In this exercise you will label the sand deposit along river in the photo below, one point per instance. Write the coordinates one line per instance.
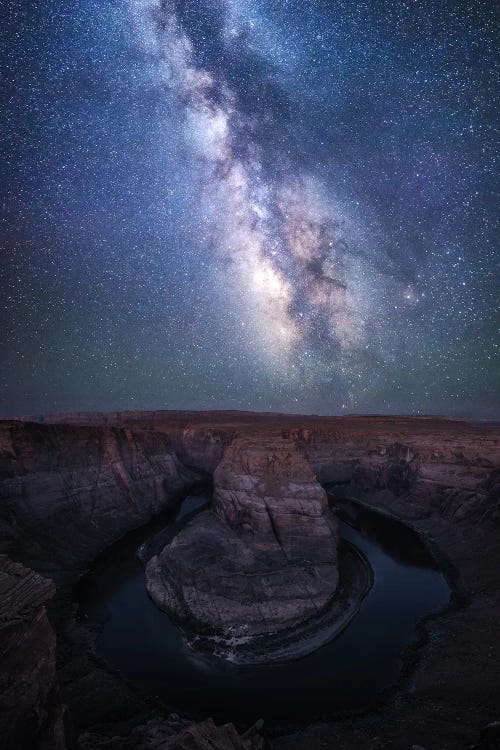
(346, 674)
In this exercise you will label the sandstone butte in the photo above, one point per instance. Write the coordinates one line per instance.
(71, 485)
(262, 561)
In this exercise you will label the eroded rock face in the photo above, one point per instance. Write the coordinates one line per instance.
(178, 735)
(75, 483)
(438, 466)
(31, 712)
(263, 560)
(66, 492)
(264, 489)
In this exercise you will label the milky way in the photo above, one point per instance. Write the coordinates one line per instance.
(247, 204)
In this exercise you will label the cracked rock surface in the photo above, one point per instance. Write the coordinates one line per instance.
(263, 559)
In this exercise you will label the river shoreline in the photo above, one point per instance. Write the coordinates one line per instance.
(328, 638)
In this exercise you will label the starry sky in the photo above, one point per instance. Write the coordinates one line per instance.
(286, 206)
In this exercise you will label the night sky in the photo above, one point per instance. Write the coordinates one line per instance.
(249, 204)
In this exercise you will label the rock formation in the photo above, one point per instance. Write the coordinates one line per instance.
(31, 712)
(67, 492)
(178, 735)
(262, 561)
(72, 484)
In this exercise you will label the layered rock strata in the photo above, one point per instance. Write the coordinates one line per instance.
(72, 485)
(262, 561)
(31, 712)
(67, 492)
(64, 496)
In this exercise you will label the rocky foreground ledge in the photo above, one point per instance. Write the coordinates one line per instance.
(29, 692)
(72, 484)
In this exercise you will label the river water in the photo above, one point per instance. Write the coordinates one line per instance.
(346, 674)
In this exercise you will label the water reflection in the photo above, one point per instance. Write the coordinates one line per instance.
(397, 540)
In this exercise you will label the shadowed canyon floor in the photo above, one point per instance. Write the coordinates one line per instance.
(73, 484)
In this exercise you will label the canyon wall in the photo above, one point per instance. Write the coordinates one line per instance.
(66, 491)
(31, 711)
(71, 485)
(69, 489)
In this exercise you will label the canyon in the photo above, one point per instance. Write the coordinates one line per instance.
(71, 485)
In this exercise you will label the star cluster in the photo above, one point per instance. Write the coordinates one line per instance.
(248, 204)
